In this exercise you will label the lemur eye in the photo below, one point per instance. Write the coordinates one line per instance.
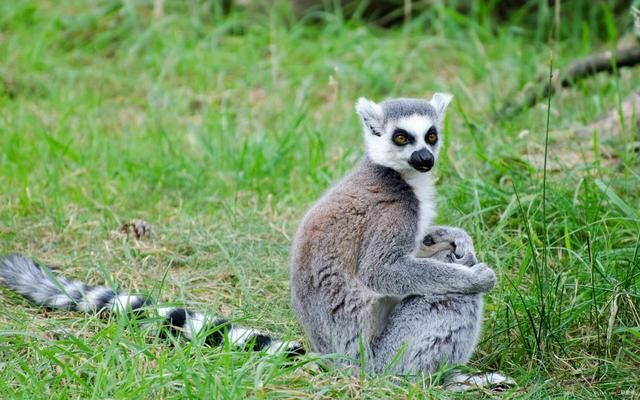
(400, 140)
(432, 135)
(400, 137)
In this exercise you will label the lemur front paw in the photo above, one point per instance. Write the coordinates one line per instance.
(484, 278)
(448, 244)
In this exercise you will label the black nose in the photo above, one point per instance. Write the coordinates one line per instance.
(421, 160)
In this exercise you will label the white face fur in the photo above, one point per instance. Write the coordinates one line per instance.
(404, 134)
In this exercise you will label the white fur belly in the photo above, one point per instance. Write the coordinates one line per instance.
(422, 185)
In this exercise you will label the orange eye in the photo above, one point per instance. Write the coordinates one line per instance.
(432, 136)
(400, 140)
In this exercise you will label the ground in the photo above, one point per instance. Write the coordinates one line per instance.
(221, 131)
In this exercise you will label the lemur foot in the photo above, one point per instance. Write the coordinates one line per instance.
(448, 244)
(494, 381)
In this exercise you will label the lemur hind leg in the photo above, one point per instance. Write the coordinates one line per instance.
(422, 333)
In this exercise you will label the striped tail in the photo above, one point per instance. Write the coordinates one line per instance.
(43, 287)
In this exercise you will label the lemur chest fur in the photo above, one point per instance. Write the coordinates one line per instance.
(423, 189)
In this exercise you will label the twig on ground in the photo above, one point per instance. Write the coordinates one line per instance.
(603, 62)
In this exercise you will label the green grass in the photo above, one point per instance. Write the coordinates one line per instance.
(222, 130)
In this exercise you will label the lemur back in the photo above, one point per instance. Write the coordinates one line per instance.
(358, 280)
(328, 280)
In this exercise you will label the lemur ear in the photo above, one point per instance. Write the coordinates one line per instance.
(440, 101)
(371, 115)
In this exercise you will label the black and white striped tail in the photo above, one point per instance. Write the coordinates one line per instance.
(43, 287)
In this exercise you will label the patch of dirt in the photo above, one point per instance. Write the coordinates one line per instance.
(575, 146)
(609, 125)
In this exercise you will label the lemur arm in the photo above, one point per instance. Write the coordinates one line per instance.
(408, 275)
(387, 265)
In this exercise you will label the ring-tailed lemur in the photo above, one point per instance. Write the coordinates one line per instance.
(370, 277)
(40, 285)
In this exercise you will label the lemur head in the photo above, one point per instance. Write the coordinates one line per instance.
(404, 134)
